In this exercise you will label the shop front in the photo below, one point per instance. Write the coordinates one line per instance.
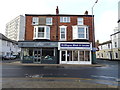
(39, 52)
(75, 52)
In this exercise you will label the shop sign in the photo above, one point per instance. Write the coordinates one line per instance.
(74, 45)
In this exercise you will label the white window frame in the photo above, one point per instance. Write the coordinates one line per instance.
(35, 21)
(49, 21)
(76, 34)
(80, 21)
(65, 27)
(46, 32)
(65, 19)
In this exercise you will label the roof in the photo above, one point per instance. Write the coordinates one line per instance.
(58, 15)
(115, 33)
(2, 37)
(107, 42)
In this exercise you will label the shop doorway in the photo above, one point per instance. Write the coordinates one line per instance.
(37, 56)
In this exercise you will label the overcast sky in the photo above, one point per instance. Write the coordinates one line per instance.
(105, 11)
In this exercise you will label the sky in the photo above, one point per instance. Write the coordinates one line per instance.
(105, 11)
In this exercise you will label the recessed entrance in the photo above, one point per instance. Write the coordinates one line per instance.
(37, 56)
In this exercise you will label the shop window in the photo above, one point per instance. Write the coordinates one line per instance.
(75, 55)
(48, 54)
(28, 54)
(63, 55)
(69, 55)
(87, 55)
(81, 55)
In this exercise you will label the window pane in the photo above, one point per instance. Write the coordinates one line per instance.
(87, 55)
(48, 32)
(69, 55)
(80, 35)
(48, 54)
(80, 30)
(35, 20)
(40, 34)
(75, 55)
(81, 55)
(62, 30)
(80, 21)
(49, 21)
(40, 29)
(62, 36)
(63, 54)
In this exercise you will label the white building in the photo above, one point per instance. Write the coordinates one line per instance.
(8, 47)
(119, 15)
(115, 37)
(104, 51)
(15, 29)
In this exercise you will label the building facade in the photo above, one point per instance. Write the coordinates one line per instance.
(115, 37)
(15, 29)
(119, 15)
(105, 51)
(57, 39)
(8, 47)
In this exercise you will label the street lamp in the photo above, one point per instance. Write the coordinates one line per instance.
(93, 42)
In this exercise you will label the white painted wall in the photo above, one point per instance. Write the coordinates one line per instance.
(6, 47)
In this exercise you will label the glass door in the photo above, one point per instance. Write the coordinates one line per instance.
(37, 56)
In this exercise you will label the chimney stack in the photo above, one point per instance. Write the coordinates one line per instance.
(57, 11)
(86, 12)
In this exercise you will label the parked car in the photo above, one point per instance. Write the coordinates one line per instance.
(9, 57)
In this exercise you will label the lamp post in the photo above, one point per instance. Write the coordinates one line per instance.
(93, 42)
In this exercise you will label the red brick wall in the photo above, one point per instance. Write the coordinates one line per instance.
(29, 29)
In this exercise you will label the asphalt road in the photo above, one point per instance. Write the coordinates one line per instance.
(109, 72)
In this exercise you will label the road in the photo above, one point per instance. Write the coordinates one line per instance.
(108, 74)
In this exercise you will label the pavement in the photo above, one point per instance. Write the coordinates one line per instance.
(59, 65)
(49, 83)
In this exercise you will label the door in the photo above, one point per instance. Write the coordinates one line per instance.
(37, 56)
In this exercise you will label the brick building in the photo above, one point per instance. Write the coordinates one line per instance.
(57, 39)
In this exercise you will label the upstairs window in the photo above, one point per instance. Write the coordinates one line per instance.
(41, 32)
(80, 32)
(80, 21)
(35, 20)
(49, 21)
(65, 19)
(115, 44)
(62, 32)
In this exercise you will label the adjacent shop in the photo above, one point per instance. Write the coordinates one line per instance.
(39, 52)
(75, 52)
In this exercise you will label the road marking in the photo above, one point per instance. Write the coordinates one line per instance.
(103, 76)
